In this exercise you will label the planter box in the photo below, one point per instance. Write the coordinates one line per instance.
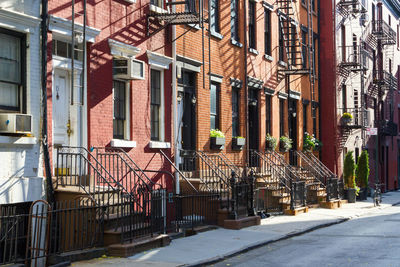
(351, 195)
(346, 121)
(238, 143)
(282, 148)
(362, 195)
(268, 146)
(217, 142)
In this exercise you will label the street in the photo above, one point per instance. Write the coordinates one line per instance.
(373, 240)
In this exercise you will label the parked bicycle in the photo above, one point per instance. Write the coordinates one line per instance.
(377, 195)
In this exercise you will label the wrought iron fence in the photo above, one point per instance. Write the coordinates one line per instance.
(298, 195)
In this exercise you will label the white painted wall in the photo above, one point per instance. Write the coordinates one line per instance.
(21, 170)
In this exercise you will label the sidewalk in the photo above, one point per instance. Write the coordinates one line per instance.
(217, 244)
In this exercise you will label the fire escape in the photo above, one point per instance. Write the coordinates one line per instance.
(352, 60)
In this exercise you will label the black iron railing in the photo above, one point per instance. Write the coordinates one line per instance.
(353, 57)
(356, 120)
(306, 163)
(384, 79)
(242, 203)
(298, 196)
(383, 31)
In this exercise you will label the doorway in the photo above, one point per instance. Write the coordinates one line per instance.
(253, 119)
(292, 123)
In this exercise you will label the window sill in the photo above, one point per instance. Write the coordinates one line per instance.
(268, 57)
(216, 35)
(15, 140)
(123, 143)
(194, 26)
(253, 51)
(157, 9)
(159, 144)
(130, 1)
(236, 43)
(282, 63)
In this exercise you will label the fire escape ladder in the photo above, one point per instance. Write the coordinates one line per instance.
(347, 8)
(293, 43)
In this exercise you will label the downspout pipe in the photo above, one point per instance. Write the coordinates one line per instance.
(174, 104)
(246, 91)
(45, 145)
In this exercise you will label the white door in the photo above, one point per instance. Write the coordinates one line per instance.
(61, 108)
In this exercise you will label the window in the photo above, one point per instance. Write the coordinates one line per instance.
(313, 5)
(293, 44)
(268, 114)
(155, 106)
(158, 3)
(267, 31)
(314, 51)
(304, 47)
(12, 71)
(214, 106)
(64, 49)
(235, 112)
(281, 117)
(235, 20)
(314, 118)
(344, 97)
(252, 25)
(214, 16)
(305, 116)
(281, 45)
(119, 122)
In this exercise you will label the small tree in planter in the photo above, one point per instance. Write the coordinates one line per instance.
(346, 118)
(309, 142)
(362, 174)
(217, 139)
(348, 175)
(285, 143)
(238, 142)
(270, 142)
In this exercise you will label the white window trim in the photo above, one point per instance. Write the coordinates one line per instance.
(119, 49)
(162, 111)
(61, 26)
(18, 22)
(127, 124)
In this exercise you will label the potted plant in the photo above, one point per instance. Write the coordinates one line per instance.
(348, 176)
(270, 142)
(217, 139)
(238, 142)
(346, 118)
(362, 174)
(318, 145)
(285, 143)
(309, 142)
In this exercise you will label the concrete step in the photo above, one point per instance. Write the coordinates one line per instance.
(138, 245)
(114, 235)
(296, 211)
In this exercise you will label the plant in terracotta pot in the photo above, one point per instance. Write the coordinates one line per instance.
(285, 143)
(308, 142)
(346, 118)
(238, 142)
(362, 174)
(217, 139)
(349, 177)
(270, 142)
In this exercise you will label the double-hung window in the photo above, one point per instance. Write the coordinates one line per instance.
(281, 117)
(214, 16)
(214, 106)
(235, 112)
(305, 118)
(304, 47)
(235, 20)
(267, 31)
(252, 25)
(119, 121)
(12, 53)
(268, 114)
(155, 106)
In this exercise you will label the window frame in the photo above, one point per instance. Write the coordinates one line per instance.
(267, 32)
(22, 85)
(252, 28)
(268, 114)
(217, 114)
(215, 26)
(235, 20)
(305, 118)
(161, 128)
(126, 130)
(235, 112)
(282, 117)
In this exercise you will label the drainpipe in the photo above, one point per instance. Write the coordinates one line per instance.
(246, 94)
(45, 146)
(174, 105)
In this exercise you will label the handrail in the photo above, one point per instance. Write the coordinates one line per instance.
(231, 167)
(323, 166)
(313, 169)
(204, 157)
(231, 164)
(177, 170)
(282, 161)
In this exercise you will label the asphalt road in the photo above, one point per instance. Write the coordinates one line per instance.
(372, 240)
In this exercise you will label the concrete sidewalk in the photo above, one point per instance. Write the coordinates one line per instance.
(220, 243)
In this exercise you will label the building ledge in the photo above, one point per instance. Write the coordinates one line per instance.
(17, 140)
(123, 143)
(158, 144)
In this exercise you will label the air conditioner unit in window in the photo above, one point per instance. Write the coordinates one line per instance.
(15, 123)
(128, 69)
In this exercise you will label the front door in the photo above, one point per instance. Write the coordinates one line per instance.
(60, 102)
(187, 119)
(293, 130)
(253, 119)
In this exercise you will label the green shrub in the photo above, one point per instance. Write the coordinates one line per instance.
(216, 133)
(362, 170)
(348, 170)
(238, 137)
(309, 142)
(285, 143)
(270, 142)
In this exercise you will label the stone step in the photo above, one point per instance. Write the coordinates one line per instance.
(138, 245)
(296, 211)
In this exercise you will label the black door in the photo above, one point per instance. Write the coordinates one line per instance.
(292, 123)
(253, 119)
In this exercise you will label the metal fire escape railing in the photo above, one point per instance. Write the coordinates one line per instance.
(350, 7)
(297, 49)
(353, 58)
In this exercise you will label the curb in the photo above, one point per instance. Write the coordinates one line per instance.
(263, 243)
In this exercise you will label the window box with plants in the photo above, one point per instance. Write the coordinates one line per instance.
(362, 174)
(238, 142)
(311, 143)
(270, 143)
(217, 139)
(349, 178)
(346, 118)
(285, 144)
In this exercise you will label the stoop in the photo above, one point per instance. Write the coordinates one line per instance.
(333, 204)
(130, 248)
(242, 222)
(296, 211)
